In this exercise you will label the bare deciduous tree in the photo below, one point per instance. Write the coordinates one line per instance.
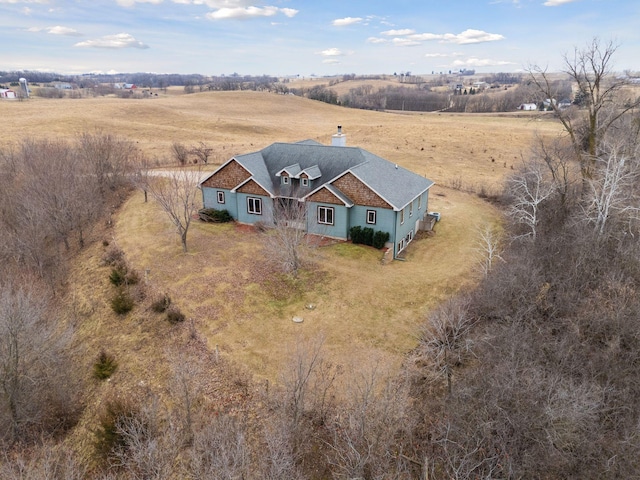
(108, 157)
(445, 337)
(180, 153)
(202, 151)
(599, 97)
(528, 189)
(488, 247)
(613, 188)
(286, 243)
(176, 192)
(221, 450)
(32, 371)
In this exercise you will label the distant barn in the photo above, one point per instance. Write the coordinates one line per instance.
(528, 106)
(7, 93)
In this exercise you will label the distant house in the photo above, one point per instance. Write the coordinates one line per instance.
(7, 93)
(565, 103)
(125, 86)
(340, 187)
(527, 106)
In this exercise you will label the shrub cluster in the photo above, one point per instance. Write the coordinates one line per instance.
(122, 302)
(214, 216)
(368, 236)
(174, 315)
(104, 366)
(161, 304)
(121, 275)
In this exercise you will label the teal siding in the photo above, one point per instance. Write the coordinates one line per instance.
(210, 200)
(340, 227)
(408, 228)
(385, 218)
(245, 217)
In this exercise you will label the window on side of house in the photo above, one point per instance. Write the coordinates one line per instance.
(220, 197)
(419, 202)
(411, 209)
(325, 215)
(304, 182)
(254, 205)
(371, 217)
(401, 216)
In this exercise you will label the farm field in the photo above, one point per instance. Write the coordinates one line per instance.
(224, 283)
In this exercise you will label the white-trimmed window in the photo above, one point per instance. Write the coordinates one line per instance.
(220, 196)
(419, 202)
(325, 215)
(254, 205)
(401, 216)
(411, 209)
(304, 182)
(285, 180)
(371, 217)
(401, 245)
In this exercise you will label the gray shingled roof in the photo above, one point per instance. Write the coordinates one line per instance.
(397, 185)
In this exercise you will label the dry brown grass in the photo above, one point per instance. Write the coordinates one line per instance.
(445, 147)
(226, 284)
(223, 283)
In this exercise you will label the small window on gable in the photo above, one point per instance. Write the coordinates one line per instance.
(285, 180)
(304, 182)
(220, 197)
(401, 216)
(371, 217)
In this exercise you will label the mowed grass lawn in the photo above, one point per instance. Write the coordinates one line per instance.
(227, 284)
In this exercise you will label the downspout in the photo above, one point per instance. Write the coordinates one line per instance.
(395, 228)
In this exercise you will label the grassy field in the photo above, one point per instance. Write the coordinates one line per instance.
(226, 284)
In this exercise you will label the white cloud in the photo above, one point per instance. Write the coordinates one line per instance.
(467, 37)
(555, 3)
(331, 52)
(249, 12)
(120, 40)
(395, 33)
(341, 22)
(435, 55)
(329, 61)
(24, 1)
(131, 3)
(405, 42)
(58, 30)
(376, 40)
(289, 12)
(480, 62)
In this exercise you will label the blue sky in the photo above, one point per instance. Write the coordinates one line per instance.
(305, 37)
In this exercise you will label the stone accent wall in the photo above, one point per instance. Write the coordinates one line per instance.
(252, 188)
(229, 177)
(324, 196)
(358, 192)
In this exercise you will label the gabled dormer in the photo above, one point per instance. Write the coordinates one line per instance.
(288, 173)
(308, 175)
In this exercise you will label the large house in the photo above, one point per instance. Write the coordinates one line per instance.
(339, 186)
